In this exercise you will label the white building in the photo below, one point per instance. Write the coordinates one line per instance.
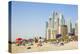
(53, 26)
(69, 24)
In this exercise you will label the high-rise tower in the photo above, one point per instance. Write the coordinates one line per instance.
(76, 28)
(69, 24)
(56, 20)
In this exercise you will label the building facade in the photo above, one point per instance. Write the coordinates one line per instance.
(69, 24)
(64, 30)
(53, 26)
(76, 29)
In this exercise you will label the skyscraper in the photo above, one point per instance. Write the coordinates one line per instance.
(69, 24)
(46, 30)
(76, 28)
(56, 20)
(62, 20)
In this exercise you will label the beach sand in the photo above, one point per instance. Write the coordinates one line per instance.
(45, 47)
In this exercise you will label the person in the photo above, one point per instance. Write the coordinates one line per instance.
(40, 41)
(36, 40)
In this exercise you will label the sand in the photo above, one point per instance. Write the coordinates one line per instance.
(45, 47)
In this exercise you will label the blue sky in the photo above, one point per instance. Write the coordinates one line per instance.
(28, 19)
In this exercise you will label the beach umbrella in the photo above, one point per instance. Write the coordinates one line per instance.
(18, 38)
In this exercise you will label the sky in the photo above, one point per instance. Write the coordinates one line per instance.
(28, 19)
